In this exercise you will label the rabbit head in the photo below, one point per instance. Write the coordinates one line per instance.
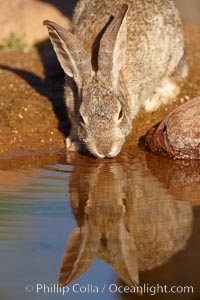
(101, 114)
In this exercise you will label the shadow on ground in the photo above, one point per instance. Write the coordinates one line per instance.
(50, 87)
(52, 84)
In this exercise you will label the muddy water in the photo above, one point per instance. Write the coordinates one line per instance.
(130, 219)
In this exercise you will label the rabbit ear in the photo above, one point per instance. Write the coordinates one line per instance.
(112, 48)
(70, 53)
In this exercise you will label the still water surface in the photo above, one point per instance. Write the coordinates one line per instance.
(123, 220)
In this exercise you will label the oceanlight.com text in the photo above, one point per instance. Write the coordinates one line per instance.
(42, 288)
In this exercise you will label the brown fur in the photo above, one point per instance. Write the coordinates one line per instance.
(123, 57)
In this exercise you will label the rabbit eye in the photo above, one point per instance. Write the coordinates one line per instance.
(120, 114)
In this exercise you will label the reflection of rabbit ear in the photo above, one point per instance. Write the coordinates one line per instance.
(123, 258)
(79, 254)
(121, 254)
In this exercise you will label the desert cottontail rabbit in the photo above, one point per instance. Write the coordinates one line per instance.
(120, 57)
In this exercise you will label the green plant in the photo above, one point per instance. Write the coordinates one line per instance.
(14, 43)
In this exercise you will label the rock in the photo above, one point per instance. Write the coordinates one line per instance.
(178, 135)
(23, 19)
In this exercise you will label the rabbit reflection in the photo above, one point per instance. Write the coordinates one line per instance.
(125, 217)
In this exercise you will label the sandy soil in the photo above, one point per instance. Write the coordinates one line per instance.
(32, 112)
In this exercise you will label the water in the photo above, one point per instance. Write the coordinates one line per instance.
(120, 218)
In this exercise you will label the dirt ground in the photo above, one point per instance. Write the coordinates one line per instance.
(32, 112)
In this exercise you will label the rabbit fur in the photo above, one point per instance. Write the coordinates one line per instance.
(119, 58)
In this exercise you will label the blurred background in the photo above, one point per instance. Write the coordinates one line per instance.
(190, 10)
